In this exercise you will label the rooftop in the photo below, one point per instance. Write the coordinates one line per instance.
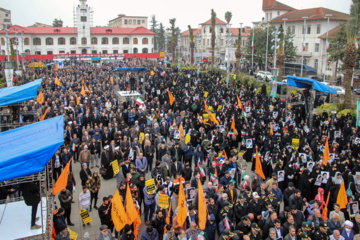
(275, 5)
(217, 21)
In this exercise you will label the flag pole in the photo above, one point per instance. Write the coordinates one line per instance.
(327, 44)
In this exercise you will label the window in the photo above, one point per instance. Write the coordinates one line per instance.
(6, 15)
(94, 41)
(36, 41)
(49, 52)
(6, 20)
(61, 41)
(152, 41)
(49, 41)
(2, 41)
(115, 40)
(126, 21)
(270, 16)
(130, 22)
(12, 40)
(115, 51)
(72, 41)
(144, 50)
(143, 21)
(316, 63)
(72, 51)
(83, 19)
(37, 52)
(61, 52)
(126, 41)
(267, 16)
(26, 41)
(278, 12)
(306, 47)
(145, 41)
(317, 47)
(94, 51)
(221, 30)
(126, 51)
(204, 30)
(83, 40)
(135, 50)
(308, 30)
(84, 51)
(27, 52)
(104, 51)
(104, 41)
(293, 30)
(210, 29)
(208, 42)
(318, 29)
(138, 22)
(135, 41)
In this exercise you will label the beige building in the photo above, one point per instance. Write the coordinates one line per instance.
(5, 18)
(123, 21)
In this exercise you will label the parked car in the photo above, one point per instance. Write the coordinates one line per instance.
(339, 90)
(357, 90)
(262, 75)
(222, 66)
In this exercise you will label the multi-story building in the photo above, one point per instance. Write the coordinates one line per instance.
(5, 17)
(205, 30)
(123, 21)
(82, 39)
(312, 48)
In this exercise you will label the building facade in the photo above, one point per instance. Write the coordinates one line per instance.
(123, 21)
(82, 39)
(313, 48)
(5, 18)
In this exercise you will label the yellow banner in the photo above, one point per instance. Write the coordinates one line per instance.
(162, 54)
(205, 117)
(163, 200)
(73, 235)
(115, 166)
(187, 138)
(219, 107)
(142, 137)
(295, 143)
(85, 216)
(150, 186)
(206, 94)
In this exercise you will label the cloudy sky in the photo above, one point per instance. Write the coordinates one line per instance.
(193, 12)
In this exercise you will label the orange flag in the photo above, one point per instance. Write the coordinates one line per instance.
(271, 129)
(201, 207)
(43, 116)
(118, 214)
(238, 101)
(87, 90)
(111, 80)
(206, 107)
(131, 211)
(325, 210)
(83, 81)
(57, 81)
(258, 167)
(233, 127)
(63, 179)
(56, 67)
(167, 220)
(342, 197)
(171, 98)
(326, 155)
(211, 117)
(182, 208)
(225, 155)
(40, 98)
(182, 133)
(83, 91)
(77, 101)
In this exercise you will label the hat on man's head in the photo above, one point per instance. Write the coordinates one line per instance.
(348, 223)
(306, 226)
(103, 227)
(62, 227)
(106, 147)
(323, 224)
(255, 227)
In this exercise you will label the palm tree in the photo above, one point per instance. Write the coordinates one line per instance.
(238, 52)
(228, 16)
(351, 49)
(173, 38)
(213, 22)
(192, 44)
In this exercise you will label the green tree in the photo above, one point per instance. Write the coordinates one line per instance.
(173, 37)
(12, 55)
(238, 52)
(352, 30)
(228, 16)
(161, 38)
(57, 23)
(337, 47)
(192, 44)
(290, 50)
(213, 23)
(154, 24)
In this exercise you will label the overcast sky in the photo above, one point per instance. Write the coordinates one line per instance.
(193, 12)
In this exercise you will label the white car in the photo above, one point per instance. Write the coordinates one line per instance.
(339, 90)
(262, 75)
(222, 66)
(327, 84)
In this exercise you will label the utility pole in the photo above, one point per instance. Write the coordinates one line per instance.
(228, 44)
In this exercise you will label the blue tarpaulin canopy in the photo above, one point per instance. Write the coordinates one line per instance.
(309, 83)
(134, 69)
(50, 64)
(27, 150)
(12, 95)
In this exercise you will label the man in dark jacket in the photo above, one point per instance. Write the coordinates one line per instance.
(296, 200)
(150, 234)
(31, 194)
(287, 193)
(158, 222)
(65, 199)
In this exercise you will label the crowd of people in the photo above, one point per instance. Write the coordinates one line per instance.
(190, 129)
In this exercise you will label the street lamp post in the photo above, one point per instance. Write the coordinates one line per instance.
(253, 46)
(302, 55)
(7, 43)
(17, 52)
(284, 19)
(179, 52)
(327, 43)
(166, 38)
(267, 45)
(22, 49)
(198, 50)
(239, 67)
(228, 44)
